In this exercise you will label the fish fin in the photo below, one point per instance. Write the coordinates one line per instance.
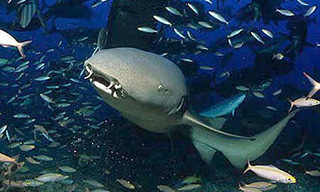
(20, 47)
(314, 84)
(206, 152)
(248, 168)
(192, 120)
(291, 105)
(239, 151)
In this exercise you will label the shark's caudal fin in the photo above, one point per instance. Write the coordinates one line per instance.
(237, 151)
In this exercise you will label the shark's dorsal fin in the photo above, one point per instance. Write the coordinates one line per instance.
(192, 120)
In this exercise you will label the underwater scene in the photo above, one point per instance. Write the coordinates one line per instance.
(159, 95)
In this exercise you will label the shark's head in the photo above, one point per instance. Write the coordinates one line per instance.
(139, 84)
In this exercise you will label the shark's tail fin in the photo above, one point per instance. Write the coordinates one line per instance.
(20, 47)
(315, 84)
(237, 151)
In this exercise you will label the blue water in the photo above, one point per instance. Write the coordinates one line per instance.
(92, 137)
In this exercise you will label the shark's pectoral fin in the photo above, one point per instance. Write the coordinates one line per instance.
(192, 120)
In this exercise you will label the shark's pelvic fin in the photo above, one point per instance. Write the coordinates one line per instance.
(237, 151)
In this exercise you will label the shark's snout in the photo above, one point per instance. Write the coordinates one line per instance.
(104, 83)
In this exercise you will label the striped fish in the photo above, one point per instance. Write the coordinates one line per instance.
(27, 13)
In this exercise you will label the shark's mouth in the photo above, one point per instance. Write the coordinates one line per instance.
(106, 84)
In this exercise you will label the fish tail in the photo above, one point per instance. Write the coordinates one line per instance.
(314, 84)
(20, 47)
(248, 168)
(291, 105)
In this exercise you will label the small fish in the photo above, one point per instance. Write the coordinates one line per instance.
(147, 30)
(278, 56)
(67, 169)
(242, 88)
(303, 102)
(32, 161)
(208, 1)
(314, 173)
(271, 173)
(21, 116)
(234, 33)
(162, 20)
(310, 11)
(238, 45)
(4, 158)
(277, 92)
(271, 108)
(3, 129)
(289, 161)
(263, 186)
(267, 32)
(257, 37)
(8, 136)
(31, 183)
(285, 12)
(93, 183)
(258, 94)
(43, 158)
(179, 33)
(46, 98)
(42, 78)
(126, 184)
(205, 24)
(218, 17)
(174, 11)
(202, 47)
(190, 180)
(302, 3)
(207, 68)
(193, 8)
(26, 147)
(189, 187)
(247, 189)
(165, 188)
(6, 40)
(51, 177)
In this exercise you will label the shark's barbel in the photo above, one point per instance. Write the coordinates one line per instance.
(151, 92)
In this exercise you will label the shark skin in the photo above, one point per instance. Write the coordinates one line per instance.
(237, 152)
(151, 92)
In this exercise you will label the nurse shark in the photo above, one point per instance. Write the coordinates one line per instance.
(151, 92)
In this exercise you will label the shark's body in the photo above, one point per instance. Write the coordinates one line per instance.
(151, 91)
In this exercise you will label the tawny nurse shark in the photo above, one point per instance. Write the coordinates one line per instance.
(151, 91)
